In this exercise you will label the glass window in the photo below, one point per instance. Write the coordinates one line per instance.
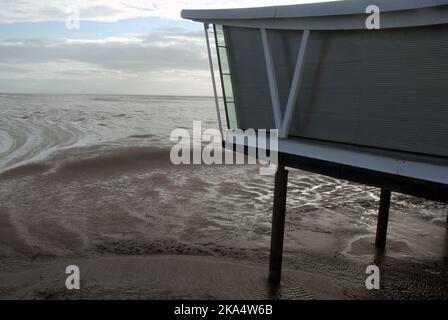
(226, 78)
(227, 81)
(224, 62)
(220, 39)
(231, 112)
(219, 28)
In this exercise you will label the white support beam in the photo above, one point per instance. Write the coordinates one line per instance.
(272, 78)
(212, 71)
(295, 85)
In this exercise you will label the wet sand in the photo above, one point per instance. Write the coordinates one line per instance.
(164, 277)
(87, 180)
(139, 227)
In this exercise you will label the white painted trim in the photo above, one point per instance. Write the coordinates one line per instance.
(282, 123)
(312, 10)
(367, 160)
(272, 78)
(397, 165)
(212, 71)
(295, 85)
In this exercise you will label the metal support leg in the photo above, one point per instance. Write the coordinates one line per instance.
(383, 218)
(278, 225)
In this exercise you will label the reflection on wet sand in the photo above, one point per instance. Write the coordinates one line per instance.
(136, 224)
(132, 202)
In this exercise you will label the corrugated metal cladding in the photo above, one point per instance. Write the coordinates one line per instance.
(385, 89)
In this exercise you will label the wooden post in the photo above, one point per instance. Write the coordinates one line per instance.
(278, 225)
(383, 218)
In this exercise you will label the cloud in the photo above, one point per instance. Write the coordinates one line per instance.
(166, 61)
(171, 60)
(114, 10)
(165, 48)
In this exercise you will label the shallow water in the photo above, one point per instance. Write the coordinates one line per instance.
(32, 127)
(87, 176)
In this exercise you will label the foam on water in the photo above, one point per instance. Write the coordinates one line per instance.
(91, 175)
(32, 127)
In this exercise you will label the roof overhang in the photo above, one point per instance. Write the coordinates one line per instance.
(348, 14)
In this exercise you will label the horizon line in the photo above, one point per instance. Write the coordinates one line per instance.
(108, 94)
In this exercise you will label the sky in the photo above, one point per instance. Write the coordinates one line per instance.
(116, 46)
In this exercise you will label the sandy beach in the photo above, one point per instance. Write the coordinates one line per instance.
(117, 218)
(164, 277)
(102, 194)
(114, 185)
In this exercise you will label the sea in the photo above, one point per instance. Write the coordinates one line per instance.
(90, 176)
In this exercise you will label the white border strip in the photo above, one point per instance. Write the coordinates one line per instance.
(212, 71)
